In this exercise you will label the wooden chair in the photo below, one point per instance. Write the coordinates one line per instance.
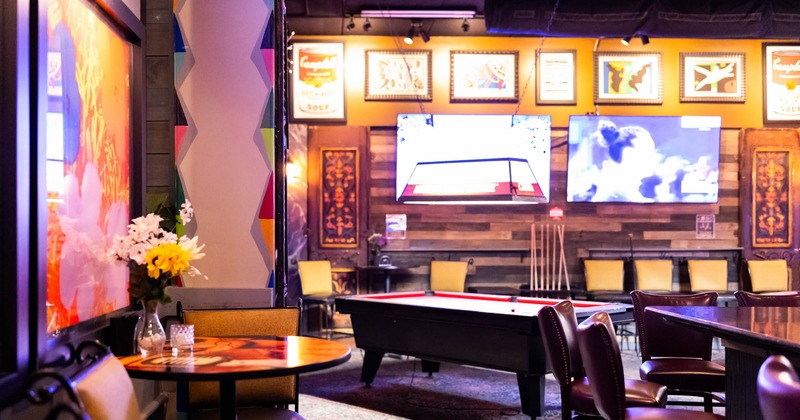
(558, 325)
(767, 299)
(768, 275)
(603, 363)
(280, 391)
(448, 276)
(316, 281)
(708, 275)
(675, 356)
(653, 275)
(778, 389)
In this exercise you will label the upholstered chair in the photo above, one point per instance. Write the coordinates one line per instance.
(106, 391)
(605, 280)
(558, 326)
(768, 275)
(448, 276)
(316, 282)
(653, 275)
(778, 389)
(767, 299)
(708, 275)
(674, 356)
(603, 364)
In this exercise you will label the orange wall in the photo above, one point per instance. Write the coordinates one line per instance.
(382, 113)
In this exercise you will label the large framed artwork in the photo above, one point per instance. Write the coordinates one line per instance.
(317, 82)
(397, 75)
(772, 197)
(712, 77)
(555, 77)
(627, 78)
(339, 212)
(484, 76)
(90, 122)
(781, 63)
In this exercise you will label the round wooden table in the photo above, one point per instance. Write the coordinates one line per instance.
(228, 359)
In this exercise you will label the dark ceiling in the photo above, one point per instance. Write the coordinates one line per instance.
(720, 19)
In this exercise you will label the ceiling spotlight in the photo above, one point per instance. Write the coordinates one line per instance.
(350, 26)
(367, 25)
(645, 39)
(465, 25)
(416, 29)
(424, 35)
(627, 40)
(409, 39)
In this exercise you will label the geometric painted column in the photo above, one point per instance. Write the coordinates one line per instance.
(223, 159)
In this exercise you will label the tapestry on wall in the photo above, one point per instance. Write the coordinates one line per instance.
(772, 220)
(339, 198)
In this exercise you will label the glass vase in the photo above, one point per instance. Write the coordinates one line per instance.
(149, 335)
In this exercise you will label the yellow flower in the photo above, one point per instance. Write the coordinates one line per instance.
(166, 258)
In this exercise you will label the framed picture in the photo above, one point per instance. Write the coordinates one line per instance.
(712, 77)
(396, 75)
(781, 83)
(627, 78)
(555, 77)
(484, 76)
(317, 82)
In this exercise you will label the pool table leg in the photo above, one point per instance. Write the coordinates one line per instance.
(429, 367)
(372, 361)
(531, 393)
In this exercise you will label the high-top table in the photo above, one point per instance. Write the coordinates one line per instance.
(228, 359)
(750, 335)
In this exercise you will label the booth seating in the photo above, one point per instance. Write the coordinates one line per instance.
(768, 275)
(279, 391)
(778, 389)
(558, 325)
(675, 356)
(448, 276)
(768, 299)
(601, 357)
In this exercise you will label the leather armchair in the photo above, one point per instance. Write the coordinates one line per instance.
(768, 299)
(778, 389)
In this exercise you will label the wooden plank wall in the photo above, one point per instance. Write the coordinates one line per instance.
(497, 238)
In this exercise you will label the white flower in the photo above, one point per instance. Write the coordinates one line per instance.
(190, 245)
(187, 212)
(138, 252)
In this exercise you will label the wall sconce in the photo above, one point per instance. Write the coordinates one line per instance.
(293, 171)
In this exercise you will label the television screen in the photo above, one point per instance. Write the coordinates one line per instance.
(473, 158)
(643, 159)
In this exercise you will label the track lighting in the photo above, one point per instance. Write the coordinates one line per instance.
(645, 39)
(367, 25)
(409, 39)
(350, 26)
(465, 25)
(416, 29)
(627, 40)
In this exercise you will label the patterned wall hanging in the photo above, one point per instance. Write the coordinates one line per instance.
(772, 219)
(339, 190)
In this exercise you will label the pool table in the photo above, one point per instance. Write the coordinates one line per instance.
(491, 331)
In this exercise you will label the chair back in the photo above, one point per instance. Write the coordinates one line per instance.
(773, 299)
(558, 325)
(106, 391)
(778, 388)
(233, 322)
(708, 275)
(660, 339)
(653, 275)
(448, 276)
(604, 275)
(768, 275)
(603, 364)
(316, 277)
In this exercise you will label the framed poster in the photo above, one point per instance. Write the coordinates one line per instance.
(627, 78)
(317, 82)
(781, 79)
(555, 77)
(712, 77)
(705, 226)
(396, 75)
(484, 76)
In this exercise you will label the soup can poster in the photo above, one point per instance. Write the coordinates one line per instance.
(318, 81)
(782, 82)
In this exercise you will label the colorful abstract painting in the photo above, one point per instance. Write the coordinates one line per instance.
(88, 163)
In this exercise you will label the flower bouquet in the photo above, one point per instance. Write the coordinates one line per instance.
(156, 256)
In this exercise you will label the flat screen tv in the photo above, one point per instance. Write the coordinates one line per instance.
(473, 159)
(643, 159)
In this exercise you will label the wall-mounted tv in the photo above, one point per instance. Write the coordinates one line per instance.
(473, 159)
(643, 159)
